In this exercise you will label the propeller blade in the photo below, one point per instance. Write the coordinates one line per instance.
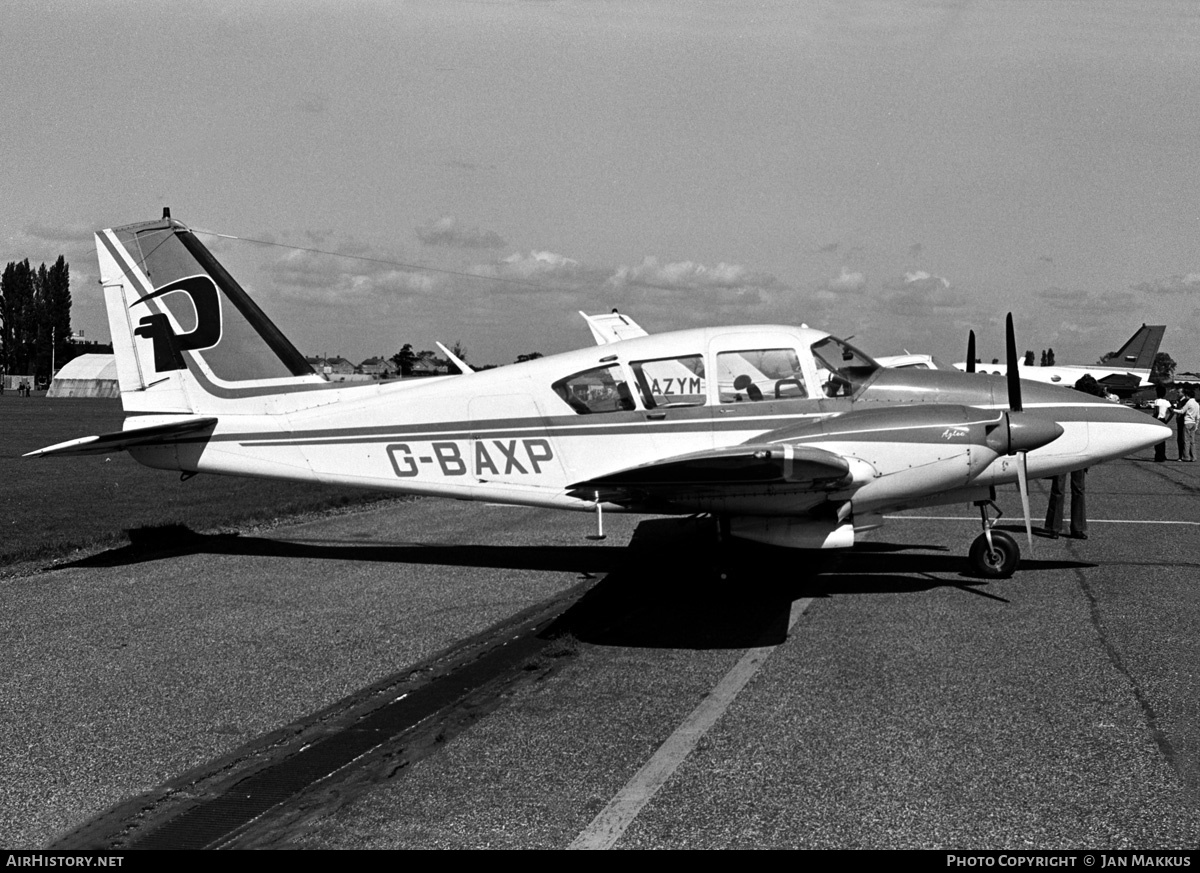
(970, 351)
(1014, 377)
(1023, 484)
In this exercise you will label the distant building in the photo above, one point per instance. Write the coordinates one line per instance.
(427, 367)
(338, 366)
(378, 367)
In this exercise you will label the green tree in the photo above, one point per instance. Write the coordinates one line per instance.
(35, 317)
(19, 332)
(405, 359)
(1163, 369)
(459, 351)
(56, 295)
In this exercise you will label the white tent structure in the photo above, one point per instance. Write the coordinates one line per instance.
(86, 376)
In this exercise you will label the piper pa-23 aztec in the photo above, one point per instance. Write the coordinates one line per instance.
(787, 435)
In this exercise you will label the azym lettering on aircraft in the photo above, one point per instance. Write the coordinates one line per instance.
(787, 435)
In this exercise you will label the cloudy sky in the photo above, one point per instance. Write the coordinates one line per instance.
(480, 171)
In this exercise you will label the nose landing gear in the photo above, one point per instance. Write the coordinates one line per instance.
(994, 554)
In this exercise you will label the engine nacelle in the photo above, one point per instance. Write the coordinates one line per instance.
(794, 533)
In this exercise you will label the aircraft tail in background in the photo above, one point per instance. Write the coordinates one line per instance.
(186, 337)
(1139, 351)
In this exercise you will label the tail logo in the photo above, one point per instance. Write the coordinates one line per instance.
(169, 346)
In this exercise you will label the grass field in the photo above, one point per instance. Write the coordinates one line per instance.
(50, 506)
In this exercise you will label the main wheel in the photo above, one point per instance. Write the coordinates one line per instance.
(997, 562)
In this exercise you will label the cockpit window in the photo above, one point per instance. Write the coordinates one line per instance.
(671, 381)
(602, 389)
(760, 374)
(841, 368)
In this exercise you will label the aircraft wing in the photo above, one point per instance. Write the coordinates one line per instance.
(612, 327)
(124, 439)
(735, 468)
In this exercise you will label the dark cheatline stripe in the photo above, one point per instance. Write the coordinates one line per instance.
(562, 427)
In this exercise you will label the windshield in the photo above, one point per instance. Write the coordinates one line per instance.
(841, 368)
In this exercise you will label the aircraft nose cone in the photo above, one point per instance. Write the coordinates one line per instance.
(1122, 431)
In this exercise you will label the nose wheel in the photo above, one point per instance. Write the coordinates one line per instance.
(994, 554)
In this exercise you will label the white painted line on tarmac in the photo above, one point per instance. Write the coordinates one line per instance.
(607, 827)
(1090, 520)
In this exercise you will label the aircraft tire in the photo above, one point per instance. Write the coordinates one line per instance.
(998, 562)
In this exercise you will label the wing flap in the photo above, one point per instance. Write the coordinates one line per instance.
(124, 439)
(732, 468)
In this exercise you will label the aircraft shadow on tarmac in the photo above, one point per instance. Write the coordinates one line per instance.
(156, 543)
(679, 589)
(674, 586)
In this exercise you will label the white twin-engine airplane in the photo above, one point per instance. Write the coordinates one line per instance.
(787, 435)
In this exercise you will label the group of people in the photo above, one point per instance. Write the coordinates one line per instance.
(1185, 409)
(23, 388)
(1186, 412)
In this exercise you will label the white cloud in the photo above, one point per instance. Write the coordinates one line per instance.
(847, 282)
(447, 231)
(1171, 285)
(310, 276)
(538, 264)
(688, 274)
(918, 292)
(926, 281)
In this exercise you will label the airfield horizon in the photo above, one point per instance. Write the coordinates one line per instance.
(50, 507)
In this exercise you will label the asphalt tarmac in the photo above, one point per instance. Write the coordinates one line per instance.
(880, 698)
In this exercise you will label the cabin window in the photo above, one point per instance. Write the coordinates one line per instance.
(602, 389)
(671, 381)
(841, 368)
(760, 374)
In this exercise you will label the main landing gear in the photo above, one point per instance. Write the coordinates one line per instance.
(994, 554)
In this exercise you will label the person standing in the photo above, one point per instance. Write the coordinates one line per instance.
(1054, 509)
(1163, 413)
(1177, 399)
(1189, 418)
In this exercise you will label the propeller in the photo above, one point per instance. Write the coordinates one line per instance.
(1014, 376)
(1014, 406)
(1017, 433)
(971, 351)
(1029, 433)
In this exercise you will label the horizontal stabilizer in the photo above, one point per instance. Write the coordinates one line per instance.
(124, 439)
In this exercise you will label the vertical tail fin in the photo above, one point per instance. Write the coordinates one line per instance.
(186, 336)
(1139, 350)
